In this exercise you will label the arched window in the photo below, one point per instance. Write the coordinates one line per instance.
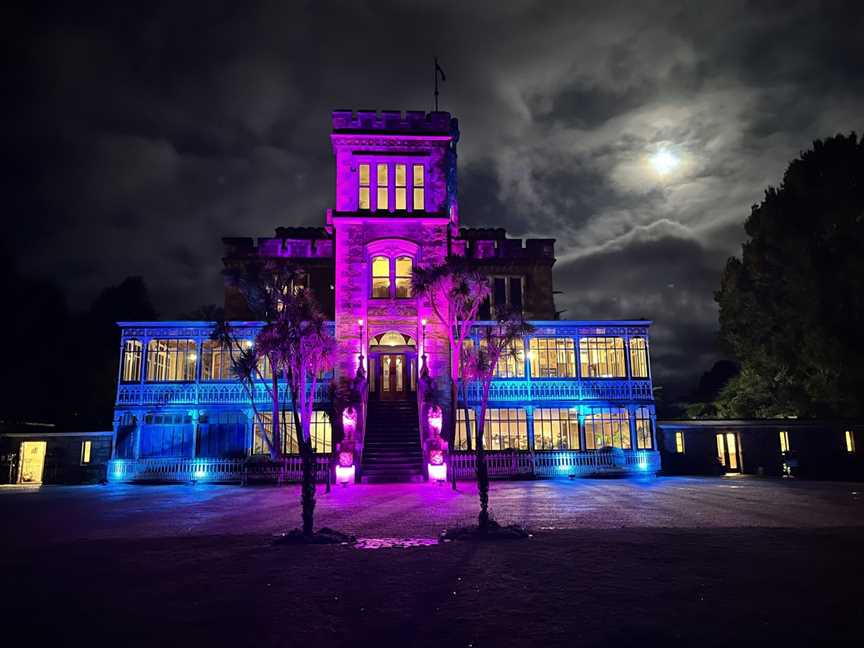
(380, 277)
(403, 276)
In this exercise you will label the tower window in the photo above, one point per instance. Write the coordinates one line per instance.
(383, 186)
(850, 441)
(679, 442)
(363, 196)
(506, 292)
(403, 277)
(380, 277)
(419, 188)
(401, 186)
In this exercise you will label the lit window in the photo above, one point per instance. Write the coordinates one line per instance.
(644, 437)
(602, 357)
(679, 442)
(380, 277)
(555, 357)
(403, 277)
(419, 184)
(505, 429)
(383, 187)
(401, 186)
(556, 429)
(784, 441)
(850, 441)
(511, 362)
(638, 358)
(461, 442)
(171, 360)
(607, 426)
(215, 361)
(320, 432)
(132, 361)
(363, 198)
(86, 447)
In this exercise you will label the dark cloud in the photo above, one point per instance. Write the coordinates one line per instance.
(140, 135)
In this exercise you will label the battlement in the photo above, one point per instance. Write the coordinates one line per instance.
(395, 122)
(492, 244)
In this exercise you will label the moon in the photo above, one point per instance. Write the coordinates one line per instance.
(664, 161)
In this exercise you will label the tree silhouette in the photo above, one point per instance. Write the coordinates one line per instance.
(792, 307)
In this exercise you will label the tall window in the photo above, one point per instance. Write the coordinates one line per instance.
(419, 188)
(383, 186)
(86, 447)
(607, 426)
(556, 429)
(403, 277)
(363, 196)
(679, 442)
(401, 186)
(511, 362)
(506, 293)
(461, 442)
(215, 361)
(644, 438)
(380, 277)
(850, 441)
(555, 357)
(171, 360)
(602, 357)
(505, 429)
(132, 360)
(784, 441)
(320, 432)
(638, 358)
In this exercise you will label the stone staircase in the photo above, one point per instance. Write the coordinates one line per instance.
(391, 449)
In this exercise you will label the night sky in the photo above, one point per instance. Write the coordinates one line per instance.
(140, 137)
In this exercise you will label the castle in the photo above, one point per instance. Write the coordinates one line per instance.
(576, 399)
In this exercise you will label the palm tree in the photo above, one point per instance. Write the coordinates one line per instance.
(496, 342)
(455, 292)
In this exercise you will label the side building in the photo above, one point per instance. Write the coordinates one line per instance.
(575, 398)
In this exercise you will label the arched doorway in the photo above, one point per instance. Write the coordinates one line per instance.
(392, 366)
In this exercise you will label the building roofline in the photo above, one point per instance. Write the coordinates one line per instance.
(174, 323)
(764, 423)
(55, 434)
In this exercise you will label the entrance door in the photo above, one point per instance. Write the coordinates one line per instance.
(393, 384)
(727, 451)
(32, 462)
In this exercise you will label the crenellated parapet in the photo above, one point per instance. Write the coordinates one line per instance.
(413, 122)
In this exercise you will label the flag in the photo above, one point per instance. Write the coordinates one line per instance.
(438, 70)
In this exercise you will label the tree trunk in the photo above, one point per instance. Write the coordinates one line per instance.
(307, 497)
(276, 450)
(482, 470)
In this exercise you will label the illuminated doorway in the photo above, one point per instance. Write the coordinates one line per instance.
(392, 366)
(32, 462)
(728, 451)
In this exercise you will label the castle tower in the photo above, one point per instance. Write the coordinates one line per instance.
(396, 208)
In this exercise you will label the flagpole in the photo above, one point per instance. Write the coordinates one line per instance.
(435, 72)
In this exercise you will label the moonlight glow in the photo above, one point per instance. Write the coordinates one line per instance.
(664, 161)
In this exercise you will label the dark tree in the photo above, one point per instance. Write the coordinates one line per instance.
(792, 307)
